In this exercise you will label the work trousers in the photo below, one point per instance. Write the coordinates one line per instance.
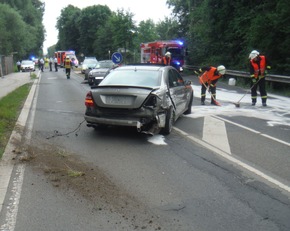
(212, 90)
(67, 72)
(261, 83)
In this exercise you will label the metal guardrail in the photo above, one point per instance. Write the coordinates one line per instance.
(269, 77)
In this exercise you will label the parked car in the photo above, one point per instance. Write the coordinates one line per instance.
(148, 97)
(96, 75)
(88, 64)
(27, 65)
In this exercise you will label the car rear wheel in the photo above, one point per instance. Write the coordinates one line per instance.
(169, 122)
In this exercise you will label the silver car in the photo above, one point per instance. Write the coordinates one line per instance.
(27, 65)
(148, 97)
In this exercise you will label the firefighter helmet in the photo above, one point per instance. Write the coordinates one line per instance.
(253, 54)
(221, 69)
(168, 54)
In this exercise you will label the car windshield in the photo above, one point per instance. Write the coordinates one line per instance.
(105, 65)
(140, 78)
(90, 61)
(27, 62)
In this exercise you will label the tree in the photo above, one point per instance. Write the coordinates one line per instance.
(117, 35)
(68, 30)
(31, 12)
(14, 32)
(89, 22)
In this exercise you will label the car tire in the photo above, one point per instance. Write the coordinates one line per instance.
(168, 122)
(188, 111)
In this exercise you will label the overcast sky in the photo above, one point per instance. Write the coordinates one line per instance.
(142, 10)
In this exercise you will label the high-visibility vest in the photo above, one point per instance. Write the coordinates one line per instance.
(67, 63)
(209, 76)
(262, 68)
(166, 60)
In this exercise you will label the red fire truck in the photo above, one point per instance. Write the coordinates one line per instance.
(152, 52)
(61, 55)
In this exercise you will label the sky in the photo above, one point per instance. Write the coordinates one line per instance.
(142, 10)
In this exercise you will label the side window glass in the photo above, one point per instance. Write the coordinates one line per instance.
(173, 79)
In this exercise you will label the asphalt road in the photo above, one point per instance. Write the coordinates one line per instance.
(70, 177)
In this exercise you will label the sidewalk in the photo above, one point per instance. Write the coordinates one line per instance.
(10, 82)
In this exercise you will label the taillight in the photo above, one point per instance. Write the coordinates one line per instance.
(89, 100)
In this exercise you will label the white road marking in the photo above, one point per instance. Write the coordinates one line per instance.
(236, 161)
(254, 131)
(215, 133)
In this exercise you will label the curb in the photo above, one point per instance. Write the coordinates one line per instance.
(6, 163)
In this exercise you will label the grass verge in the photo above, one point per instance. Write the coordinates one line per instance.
(10, 108)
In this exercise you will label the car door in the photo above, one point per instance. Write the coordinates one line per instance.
(177, 90)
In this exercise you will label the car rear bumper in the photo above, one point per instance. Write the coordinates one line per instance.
(129, 122)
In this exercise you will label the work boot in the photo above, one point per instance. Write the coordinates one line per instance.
(264, 104)
(202, 103)
(253, 103)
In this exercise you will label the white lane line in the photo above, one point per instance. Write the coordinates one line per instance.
(254, 131)
(12, 207)
(236, 161)
(215, 133)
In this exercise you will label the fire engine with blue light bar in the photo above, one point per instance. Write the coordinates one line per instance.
(152, 52)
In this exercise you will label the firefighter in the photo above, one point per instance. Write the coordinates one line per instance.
(67, 66)
(208, 81)
(166, 60)
(258, 70)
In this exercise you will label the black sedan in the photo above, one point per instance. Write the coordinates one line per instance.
(97, 74)
(148, 97)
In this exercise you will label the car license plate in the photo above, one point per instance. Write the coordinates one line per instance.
(119, 100)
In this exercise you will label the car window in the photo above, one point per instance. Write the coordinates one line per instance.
(104, 64)
(174, 79)
(90, 61)
(27, 62)
(132, 78)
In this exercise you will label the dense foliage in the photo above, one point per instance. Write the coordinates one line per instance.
(225, 31)
(21, 27)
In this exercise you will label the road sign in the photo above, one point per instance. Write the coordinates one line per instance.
(117, 57)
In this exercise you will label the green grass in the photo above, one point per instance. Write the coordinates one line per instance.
(10, 108)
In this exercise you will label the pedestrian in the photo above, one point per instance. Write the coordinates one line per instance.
(50, 63)
(18, 65)
(166, 60)
(41, 61)
(55, 64)
(208, 81)
(67, 66)
(258, 70)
